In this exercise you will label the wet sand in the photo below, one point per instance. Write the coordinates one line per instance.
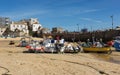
(14, 62)
(113, 58)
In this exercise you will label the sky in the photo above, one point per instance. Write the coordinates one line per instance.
(72, 15)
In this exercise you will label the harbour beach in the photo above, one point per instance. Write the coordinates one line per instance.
(59, 37)
(13, 61)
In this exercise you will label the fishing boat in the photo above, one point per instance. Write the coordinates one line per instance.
(117, 43)
(97, 49)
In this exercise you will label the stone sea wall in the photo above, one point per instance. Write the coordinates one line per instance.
(75, 36)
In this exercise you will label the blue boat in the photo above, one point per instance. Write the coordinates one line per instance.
(117, 43)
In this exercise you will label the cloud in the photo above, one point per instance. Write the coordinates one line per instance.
(23, 13)
(64, 2)
(81, 11)
(91, 20)
(90, 10)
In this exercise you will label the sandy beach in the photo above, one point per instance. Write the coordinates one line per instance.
(14, 62)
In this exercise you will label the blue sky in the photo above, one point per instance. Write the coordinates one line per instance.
(68, 14)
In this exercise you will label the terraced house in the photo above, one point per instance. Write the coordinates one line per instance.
(22, 27)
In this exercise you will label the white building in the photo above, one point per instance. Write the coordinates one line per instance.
(22, 26)
(35, 27)
(117, 28)
(33, 21)
(35, 24)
